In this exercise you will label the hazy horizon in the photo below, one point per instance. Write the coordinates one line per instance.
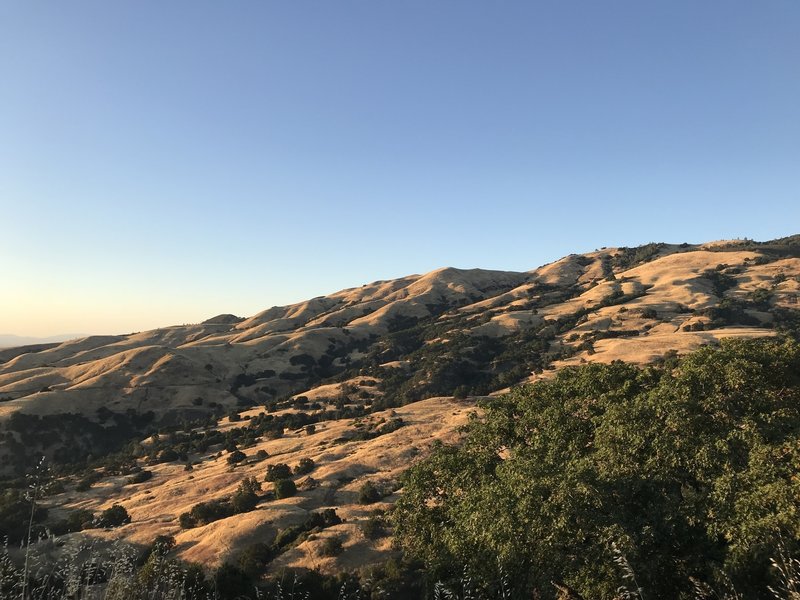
(55, 336)
(164, 164)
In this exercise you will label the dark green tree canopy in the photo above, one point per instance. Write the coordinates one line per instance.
(688, 472)
(114, 516)
(284, 488)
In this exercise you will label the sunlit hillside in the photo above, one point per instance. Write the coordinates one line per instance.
(344, 392)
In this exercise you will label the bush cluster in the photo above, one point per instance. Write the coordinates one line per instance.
(244, 499)
(686, 473)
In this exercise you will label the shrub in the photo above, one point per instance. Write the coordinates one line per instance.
(114, 516)
(243, 502)
(187, 520)
(369, 494)
(162, 545)
(287, 536)
(139, 477)
(278, 471)
(315, 521)
(761, 298)
(331, 546)
(373, 527)
(88, 481)
(246, 498)
(249, 484)
(285, 488)
(231, 582)
(236, 456)
(649, 313)
(254, 558)
(306, 465)
(325, 518)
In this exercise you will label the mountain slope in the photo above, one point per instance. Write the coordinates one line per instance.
(362, 381)
(661, 295)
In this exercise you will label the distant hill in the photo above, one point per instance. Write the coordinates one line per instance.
(8, 340)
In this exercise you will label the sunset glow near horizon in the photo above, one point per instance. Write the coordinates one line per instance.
(161, 164)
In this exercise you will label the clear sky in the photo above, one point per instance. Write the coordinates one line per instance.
(162, 162)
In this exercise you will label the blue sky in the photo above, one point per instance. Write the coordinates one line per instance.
(162, 162)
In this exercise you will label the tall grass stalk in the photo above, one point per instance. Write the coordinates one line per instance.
(33, 497)
(788, 570)
(627, 574)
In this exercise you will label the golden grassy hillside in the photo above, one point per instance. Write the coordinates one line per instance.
(323, 379)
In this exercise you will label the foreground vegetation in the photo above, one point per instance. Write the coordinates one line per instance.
(686, 475)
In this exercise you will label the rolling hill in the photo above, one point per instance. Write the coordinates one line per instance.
(362, 382)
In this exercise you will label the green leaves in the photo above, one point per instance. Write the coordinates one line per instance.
(689, 471)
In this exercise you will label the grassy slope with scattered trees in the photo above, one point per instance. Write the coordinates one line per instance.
(607, 481)
(684, 473)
